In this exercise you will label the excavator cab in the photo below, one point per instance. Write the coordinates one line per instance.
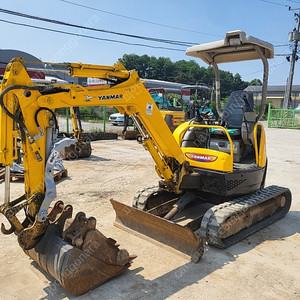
(236, 143)
(201, 102)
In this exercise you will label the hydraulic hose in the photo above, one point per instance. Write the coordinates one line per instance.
(16, 119)
(20, 122)
(52, 113)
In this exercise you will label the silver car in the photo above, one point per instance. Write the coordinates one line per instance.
(118, 119)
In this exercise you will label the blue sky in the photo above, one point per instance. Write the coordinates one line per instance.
(209, 19)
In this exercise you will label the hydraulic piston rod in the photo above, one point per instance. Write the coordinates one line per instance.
(7, 185)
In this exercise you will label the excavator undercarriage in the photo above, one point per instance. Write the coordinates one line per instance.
(187, 224)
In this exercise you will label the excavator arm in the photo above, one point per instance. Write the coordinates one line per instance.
(76, 123)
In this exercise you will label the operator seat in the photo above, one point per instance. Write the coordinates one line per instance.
(239, 103)
(238, 118)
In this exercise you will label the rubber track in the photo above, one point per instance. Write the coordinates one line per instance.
(214, 217)
(141, 197)
(96, 136)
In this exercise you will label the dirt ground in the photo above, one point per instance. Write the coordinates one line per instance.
(264, 266)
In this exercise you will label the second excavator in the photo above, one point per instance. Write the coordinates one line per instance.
(82, 148)
(212, 175)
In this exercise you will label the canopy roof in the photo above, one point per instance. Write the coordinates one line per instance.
(237, 46)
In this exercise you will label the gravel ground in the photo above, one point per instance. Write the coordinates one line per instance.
(265, 265)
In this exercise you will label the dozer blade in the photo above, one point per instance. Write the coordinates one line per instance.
(78, 150)
(77, 255)
(180, 238)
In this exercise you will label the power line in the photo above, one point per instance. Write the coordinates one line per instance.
(90, 37)
(137, 19)
(284, 45)
(18, 14)
(294, 1)
(275, 3)
(271, 67)
(57, 22)
(271, 41)
(107, 40)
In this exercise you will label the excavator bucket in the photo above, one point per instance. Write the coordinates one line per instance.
(76, 254)
(78, 150)
(131, 134)
(178, 237)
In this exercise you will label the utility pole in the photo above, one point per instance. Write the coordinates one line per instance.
(295, 37)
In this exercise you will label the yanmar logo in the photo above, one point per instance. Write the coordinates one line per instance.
(201, 157)
(110, 97)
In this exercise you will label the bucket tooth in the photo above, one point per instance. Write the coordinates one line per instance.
(110, 253)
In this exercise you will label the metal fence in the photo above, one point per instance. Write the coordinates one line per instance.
(65, 125)
(93, 120)
(283, 118)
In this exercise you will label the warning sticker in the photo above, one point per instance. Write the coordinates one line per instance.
(149, 108)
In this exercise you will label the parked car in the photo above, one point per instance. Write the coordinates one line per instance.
(118, 119)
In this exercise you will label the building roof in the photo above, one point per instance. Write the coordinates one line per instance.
(41, 69)
(279, 88)
(7, 54)
(153, 83)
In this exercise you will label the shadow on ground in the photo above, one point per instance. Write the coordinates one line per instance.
(94, 158)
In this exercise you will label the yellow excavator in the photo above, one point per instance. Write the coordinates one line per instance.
(212, 176)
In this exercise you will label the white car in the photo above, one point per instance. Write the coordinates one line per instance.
(118, 119)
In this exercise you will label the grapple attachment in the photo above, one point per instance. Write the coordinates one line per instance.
(76, 254)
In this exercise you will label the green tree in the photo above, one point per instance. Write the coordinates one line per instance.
(255, 81)
(182, 71)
